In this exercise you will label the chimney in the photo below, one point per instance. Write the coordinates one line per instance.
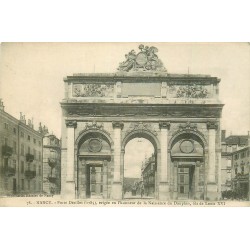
(223, 135)
(22, 118)
(1, 105)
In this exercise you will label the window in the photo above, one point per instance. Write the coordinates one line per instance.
(22, 167)
(28, 184)
(182, 189)
(242, 170)
(236, 156)
(181, 178)
(6, 125)
(182, 170)
(6, 160)
(14, 147)
(34, 185)
(22, 134)
(28, 137)
(34, 140)
(28, 150)
(39, 170)
(14, 164)
(14, 130)
(22, 149)
(34, 153)
(39, 156)
(6, 141)
(22, 184)
(236, 170)
(242, 154)
(39, 143)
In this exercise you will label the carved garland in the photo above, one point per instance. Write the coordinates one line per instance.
(141, 126)
(92, 90)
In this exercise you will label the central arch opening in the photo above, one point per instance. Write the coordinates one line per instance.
(140, 168)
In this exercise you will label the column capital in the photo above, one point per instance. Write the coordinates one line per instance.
(118, 125)
(71, 124)
(212, 125)
(164, 125)
(198, 163)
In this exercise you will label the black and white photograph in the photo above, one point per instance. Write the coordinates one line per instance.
(135, 124)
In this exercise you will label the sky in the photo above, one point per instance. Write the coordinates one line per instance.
(136, 151)
(31, 75)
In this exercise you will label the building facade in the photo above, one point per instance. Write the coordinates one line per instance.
(149, 173)
(229, 145)
(241, 173)
(20, 156)
(179, 114)
(51, 164)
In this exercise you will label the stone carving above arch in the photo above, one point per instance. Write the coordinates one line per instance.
(147, 134)
(188, 126)
(141, 126)
(94, 125)
(86, 132)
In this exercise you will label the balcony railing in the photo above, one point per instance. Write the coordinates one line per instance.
(52, 162)
(7, 151)
(29, 157)
(29, 174)
(9, 171)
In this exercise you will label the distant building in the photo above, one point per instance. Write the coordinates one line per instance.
(20, 155)
(229, 145)
(241, 172)
(149, 176)
(51, 164)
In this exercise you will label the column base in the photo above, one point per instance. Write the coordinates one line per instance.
(69, 190)
(164, 191)
(116, 191)
(212, 192)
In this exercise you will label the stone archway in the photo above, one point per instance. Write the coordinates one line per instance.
(148, 135)
(187, 163)
(93, 156)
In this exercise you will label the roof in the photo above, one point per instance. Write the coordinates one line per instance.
(237, 140)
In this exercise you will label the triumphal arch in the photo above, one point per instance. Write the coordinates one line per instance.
(178, 114)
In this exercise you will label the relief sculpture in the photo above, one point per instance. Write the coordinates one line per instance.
(93, 90)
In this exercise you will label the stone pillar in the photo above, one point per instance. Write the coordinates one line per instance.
(122, 171)
(197, 180)
(212, 193)
(82, 180)
(70, 176)
(105, 180)
(117, 185)
(175, 191)
(218, 152)
(164, 178)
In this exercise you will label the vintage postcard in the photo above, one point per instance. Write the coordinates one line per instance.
(125, 124)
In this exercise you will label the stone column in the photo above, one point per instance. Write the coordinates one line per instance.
(175, 191)
(197, 180)
(164, 178)
(117, 185)
(212, 193)
(82, 180)
(105, 179)
(218, 152)
(122, 170)
(70, 176)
